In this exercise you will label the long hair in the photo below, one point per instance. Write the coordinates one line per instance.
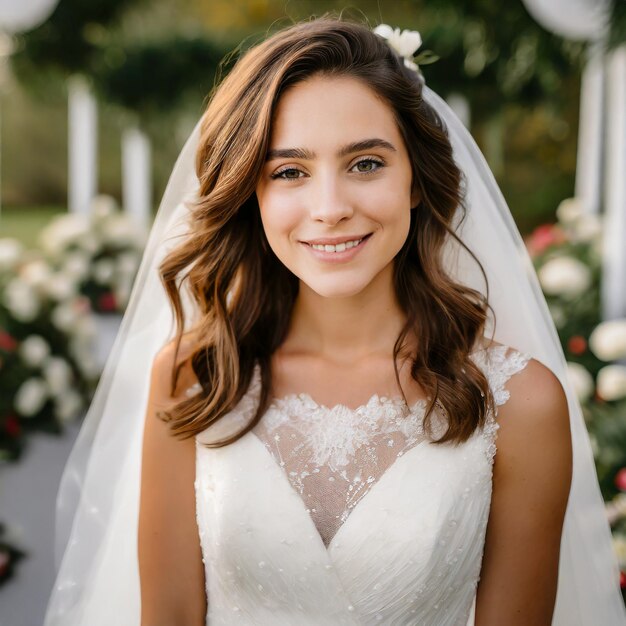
(245, 295)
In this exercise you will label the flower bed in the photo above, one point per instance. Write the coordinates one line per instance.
(567, 256)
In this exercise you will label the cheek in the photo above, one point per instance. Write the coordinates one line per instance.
(279, 216)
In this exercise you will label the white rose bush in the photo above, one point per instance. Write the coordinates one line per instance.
(47, 331)
(567, 257)
(49, 301)
(99, 253)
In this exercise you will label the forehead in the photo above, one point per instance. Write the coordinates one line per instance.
(330, 110)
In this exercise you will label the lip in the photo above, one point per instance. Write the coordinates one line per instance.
(338, 257)
(333, 241)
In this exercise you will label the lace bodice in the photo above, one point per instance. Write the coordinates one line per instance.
(335, 458)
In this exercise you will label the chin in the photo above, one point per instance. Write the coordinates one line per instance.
(336, 288)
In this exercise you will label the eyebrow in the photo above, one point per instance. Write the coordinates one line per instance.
(303, 153)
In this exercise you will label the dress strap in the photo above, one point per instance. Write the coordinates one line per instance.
(499, 363)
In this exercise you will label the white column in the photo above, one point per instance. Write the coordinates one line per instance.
(83, 145)
(614, 243)
(137, 175)
(591, 132)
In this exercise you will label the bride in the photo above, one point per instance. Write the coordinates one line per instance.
(316, 444)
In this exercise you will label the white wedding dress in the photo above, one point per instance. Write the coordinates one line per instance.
(326, 516)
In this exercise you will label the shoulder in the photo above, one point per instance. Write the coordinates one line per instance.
(167, 359)
(534, 439)
(531, 402)
(532, 474)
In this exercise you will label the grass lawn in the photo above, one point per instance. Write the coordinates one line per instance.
(25, 222)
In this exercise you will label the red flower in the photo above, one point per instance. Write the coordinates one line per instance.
(107, 302)
(7, 342)
(543, 237)
(620, 479)
(12, 426)
(577, 344)
(622, 580)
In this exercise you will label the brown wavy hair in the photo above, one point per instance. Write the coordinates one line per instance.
(245, 295)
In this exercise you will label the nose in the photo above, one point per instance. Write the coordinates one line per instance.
(329, 200)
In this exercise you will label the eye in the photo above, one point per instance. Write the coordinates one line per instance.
(368, 166)
(364, 166)
(288, 173)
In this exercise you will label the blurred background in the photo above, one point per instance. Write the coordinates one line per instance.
(96, 100)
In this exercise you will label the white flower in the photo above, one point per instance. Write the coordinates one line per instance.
(102, 271)
(608, 340)
(569, 210)
(34, 350)
(90, 243)
(564, 276)
(64, 316)
(581, 380)
(76, 265)
(31, 397)
(102, 206)
(21, 300)
(36, 273)
(67, 406)
(58, 374)
(60, 287)
(63, 231)
(586, 228)
(611, 382)
(121, 230)
(405, 43)
(10, 253)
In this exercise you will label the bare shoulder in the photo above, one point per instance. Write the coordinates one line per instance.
(531, 474)
(536, 411)
(537, 403)
(536, 395)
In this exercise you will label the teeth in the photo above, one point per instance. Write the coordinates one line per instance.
(340, 247)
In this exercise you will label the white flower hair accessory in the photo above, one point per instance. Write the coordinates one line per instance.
(406, 43)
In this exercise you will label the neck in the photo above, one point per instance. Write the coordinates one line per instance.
(343, 330)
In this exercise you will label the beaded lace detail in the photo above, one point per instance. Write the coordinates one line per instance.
(334, 456)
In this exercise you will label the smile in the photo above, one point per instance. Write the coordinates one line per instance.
(340, 252)
(340, 247)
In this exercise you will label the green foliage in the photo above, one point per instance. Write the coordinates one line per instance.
(494, 53)
(66, 41)
(158, 75)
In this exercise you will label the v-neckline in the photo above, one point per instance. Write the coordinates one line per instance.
(419, 405)
(302, 504)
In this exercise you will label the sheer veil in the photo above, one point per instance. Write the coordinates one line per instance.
(98, 500)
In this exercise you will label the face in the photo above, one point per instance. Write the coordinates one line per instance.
(335, 191)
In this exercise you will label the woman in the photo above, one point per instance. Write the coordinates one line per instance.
(319, 437)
